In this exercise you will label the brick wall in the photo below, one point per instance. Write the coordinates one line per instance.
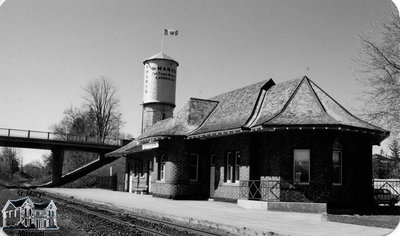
(155, 112)
(274, 157)
(176, 184)
(266, 155)
(220, 147)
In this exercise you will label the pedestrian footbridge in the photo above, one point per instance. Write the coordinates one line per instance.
(58, 143)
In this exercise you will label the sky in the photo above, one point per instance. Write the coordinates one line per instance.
(50, 50)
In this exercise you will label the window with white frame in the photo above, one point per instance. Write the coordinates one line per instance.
(193, 167)
(301, 169)
(161, 167)
(236, 172)
(228, 168)
(337, 164)
(232, 167)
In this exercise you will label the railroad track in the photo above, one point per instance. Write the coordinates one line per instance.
(118, 221)
(131, 220)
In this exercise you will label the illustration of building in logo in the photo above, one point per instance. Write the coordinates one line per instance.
(25, 214)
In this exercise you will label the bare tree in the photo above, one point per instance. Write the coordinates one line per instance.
(380, 64)
(98, 117)
(76, 121)
(102, 104)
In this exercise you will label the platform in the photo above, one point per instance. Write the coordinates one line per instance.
(228, 216)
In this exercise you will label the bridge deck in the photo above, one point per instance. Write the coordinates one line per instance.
(48, 140)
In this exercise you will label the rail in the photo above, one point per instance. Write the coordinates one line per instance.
(386, 191)
(281, 190)
(32, 134)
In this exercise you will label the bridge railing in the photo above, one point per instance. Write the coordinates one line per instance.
(31, 134)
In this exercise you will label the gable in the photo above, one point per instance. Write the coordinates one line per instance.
(21, 202)
(233, 110)
(199, 110)
(8, 206)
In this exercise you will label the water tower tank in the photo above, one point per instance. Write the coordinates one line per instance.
(159, 89)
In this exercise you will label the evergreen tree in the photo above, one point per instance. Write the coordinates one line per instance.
(394, 149)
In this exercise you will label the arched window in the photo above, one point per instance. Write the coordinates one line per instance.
(337, 146)
(337, 163)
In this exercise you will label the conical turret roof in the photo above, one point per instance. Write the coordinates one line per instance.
(160, 56)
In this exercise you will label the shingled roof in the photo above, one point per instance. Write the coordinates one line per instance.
(19, 202)
(41, 206)
(191, 116)
(306, 104)
(233, 110)
(298, 102)
(124, 149)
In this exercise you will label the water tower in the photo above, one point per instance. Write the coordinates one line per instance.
(159, 89)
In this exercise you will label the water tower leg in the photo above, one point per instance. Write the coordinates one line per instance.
(58, 158)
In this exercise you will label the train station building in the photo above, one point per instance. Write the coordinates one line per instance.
(278, 142)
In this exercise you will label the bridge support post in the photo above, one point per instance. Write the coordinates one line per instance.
(58, 158)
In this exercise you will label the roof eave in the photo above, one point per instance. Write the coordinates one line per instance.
(380, 132)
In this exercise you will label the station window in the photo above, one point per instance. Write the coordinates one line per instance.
(150, 165)
(212, 159)
(236, 173)
(193, 167)
(161, 167)
(228, 167)
(337, 164)
(232, 167)
(301, 162)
